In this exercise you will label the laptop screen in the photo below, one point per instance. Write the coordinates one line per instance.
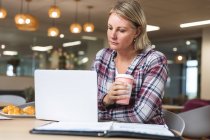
(66, 95)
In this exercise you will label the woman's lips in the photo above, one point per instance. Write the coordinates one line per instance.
(113, 43)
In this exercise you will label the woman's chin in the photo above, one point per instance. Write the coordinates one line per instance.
(113, 47)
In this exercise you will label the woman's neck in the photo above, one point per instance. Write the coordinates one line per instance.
(123, 60)
(126, 56)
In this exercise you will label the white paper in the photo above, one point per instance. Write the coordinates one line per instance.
(142, 128)
(65, 126)
(154, 129)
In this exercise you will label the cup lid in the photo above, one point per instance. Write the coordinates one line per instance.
(124, 76)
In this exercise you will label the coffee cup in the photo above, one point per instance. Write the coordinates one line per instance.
(128, 79)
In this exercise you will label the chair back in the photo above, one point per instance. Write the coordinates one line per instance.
(12, 99)
(174, 121)
(197, 122)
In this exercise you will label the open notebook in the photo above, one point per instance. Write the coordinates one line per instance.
(108, 129)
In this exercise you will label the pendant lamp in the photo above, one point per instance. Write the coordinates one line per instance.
(75, 27)
(3, 12)
(89, 26)
(26, 21)
(53, 31)
(54, 11)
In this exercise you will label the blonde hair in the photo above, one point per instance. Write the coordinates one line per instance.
(132, 11)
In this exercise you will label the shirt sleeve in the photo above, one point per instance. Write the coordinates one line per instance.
(98, 66)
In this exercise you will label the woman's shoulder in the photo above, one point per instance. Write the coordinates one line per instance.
(104, 52)
(155, 53)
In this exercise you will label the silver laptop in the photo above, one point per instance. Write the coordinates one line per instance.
(66, 95)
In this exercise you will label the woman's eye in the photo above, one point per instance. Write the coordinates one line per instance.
(122, 30)
(109, 28)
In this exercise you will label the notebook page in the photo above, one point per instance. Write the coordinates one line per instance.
(70, 126)
(142, 128)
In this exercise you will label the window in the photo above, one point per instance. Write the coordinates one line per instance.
(192, 78)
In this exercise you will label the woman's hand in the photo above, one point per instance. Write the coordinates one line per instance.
(116, 91)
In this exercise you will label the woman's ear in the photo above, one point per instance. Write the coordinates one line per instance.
(138, 31)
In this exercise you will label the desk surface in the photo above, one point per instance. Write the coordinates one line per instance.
(18, 129)
(173, 107)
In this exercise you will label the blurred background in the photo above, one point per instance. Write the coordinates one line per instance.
(42, 34)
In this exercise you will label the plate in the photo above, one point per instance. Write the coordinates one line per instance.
(21, 115)
(17, 116)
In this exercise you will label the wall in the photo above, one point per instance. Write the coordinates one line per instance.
(205, 65)
(16, 83)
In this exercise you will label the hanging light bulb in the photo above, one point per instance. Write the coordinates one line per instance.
(75, 27)
(26, 22)
(53, 31)
(54, 11)
(3, 12)
(89, 26)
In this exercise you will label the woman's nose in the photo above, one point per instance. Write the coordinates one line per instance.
(113, 34)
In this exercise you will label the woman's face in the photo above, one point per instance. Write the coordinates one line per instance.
(120, 33)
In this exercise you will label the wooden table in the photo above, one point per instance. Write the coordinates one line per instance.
(173, 108)
(18, 129)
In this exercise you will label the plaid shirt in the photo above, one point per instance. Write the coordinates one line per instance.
(150, 72)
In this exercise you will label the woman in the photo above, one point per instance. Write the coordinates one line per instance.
(130, 52)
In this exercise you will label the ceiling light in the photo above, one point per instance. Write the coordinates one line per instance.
(42, 48)
(81, 52)
(198, 23)
(53, 31)
(26, 22)
(89, 26)
(174, 49)
(3, 12)
(75, 27)
(61, 35)
(179, 59)
(152, 28)
(10, 53)
(93, 38)
(74, 43)
(54, 11)
(188, 42)
(3, 46)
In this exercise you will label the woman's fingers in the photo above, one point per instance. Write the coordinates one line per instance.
(117, 90)
(119, 86)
